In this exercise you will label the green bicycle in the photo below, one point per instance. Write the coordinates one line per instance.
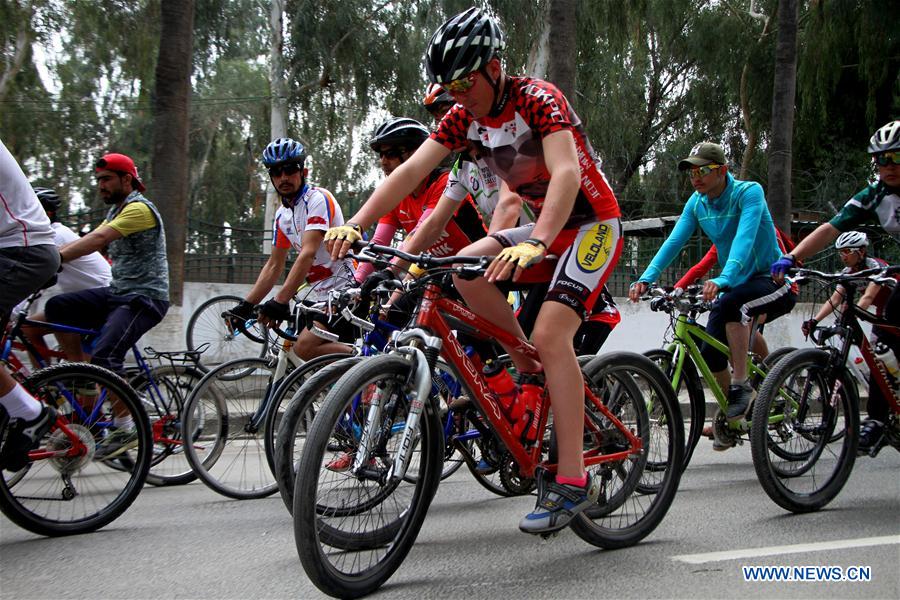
(681, 361)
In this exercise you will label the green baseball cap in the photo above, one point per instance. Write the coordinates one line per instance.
(704, 153)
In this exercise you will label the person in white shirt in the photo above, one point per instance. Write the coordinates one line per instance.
(28, 259)
(89, 271)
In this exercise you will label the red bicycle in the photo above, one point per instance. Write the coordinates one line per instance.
(354, 526)
(805, 429)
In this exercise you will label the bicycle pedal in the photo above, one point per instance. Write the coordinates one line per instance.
(550, 535)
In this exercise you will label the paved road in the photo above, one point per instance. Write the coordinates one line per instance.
(188, 542)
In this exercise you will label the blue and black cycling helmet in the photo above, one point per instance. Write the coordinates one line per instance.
(284, 151)
(463, 44)
(399, 131)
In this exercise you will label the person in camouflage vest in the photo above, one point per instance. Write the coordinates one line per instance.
(138, 296)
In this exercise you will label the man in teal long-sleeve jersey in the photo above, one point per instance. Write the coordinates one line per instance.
(734, 215)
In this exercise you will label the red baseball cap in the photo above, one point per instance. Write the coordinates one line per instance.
(121, 164)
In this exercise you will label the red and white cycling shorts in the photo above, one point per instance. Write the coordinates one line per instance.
(587, 255)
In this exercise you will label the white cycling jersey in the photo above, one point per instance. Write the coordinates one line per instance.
(477, 180)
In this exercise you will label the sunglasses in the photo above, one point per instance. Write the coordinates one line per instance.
(463, 84)
(885, 158)
(698, 172)
(288, 170)
(847, 251)
(392, 153)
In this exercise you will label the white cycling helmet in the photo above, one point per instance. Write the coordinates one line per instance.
(852, 239)
(886, 138)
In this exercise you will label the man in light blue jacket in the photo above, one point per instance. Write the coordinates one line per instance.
(733, 214)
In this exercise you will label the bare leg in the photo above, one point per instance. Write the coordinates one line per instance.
(488, 302)
(309, 346)
(553, 333)
(71, 345)
(723, 378)
(738, 341)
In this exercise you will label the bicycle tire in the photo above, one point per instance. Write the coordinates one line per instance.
(169, 465)
(42, 500)
(767, 364)
(813, 464)
(284, 391)
(301, 409)
(206, 326)
(691, 385)
(630, 518)
(228, 454)
(352, 572)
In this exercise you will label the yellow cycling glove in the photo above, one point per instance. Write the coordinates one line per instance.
(350, 232)
(524, 254)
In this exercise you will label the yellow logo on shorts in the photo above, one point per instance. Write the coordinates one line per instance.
(595, 248)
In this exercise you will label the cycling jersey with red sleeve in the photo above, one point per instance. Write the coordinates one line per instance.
(510, 145)
(464, 228)
(314, 208)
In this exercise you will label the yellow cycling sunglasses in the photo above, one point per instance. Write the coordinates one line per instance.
(463, 84)
(698, 172)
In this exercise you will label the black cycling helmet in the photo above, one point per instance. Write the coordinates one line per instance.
(886, 138)
(283, 151)
(399, 131)
(465, 43)
(48, 198)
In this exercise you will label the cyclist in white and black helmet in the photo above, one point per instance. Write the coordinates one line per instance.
(878, 203)
(525, 131)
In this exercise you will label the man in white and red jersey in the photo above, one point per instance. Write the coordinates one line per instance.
(28, 259)
(306, 212)
(526, 132)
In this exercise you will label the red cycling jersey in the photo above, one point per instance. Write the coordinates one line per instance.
(510, 145)
(463, 229)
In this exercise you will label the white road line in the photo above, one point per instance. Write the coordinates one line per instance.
(697, 559)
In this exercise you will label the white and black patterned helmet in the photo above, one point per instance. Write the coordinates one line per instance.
(463, 44)
(886, 138)
(399, 131)
(852, 239)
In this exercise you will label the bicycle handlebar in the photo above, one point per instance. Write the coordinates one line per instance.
(879, 275)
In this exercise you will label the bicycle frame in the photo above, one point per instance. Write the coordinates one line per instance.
(687, 339)
(431, 317)
(851, 333)
(14, 338)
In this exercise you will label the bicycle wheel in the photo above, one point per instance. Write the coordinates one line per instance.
(302, 407)
(353, 528)
(800, 459)
(691, 398)
(224, 416)
(163, 396)
(67, 488)
(207, 326)
(636, 492)
(767, 363)
(281, 397)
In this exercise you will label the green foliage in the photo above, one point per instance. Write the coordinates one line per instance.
(653, 78)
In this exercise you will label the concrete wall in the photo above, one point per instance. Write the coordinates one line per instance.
(639, 330)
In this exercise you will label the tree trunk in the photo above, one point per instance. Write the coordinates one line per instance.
(783, 114)
(563, 34)
(170, 132)
(278, 86)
